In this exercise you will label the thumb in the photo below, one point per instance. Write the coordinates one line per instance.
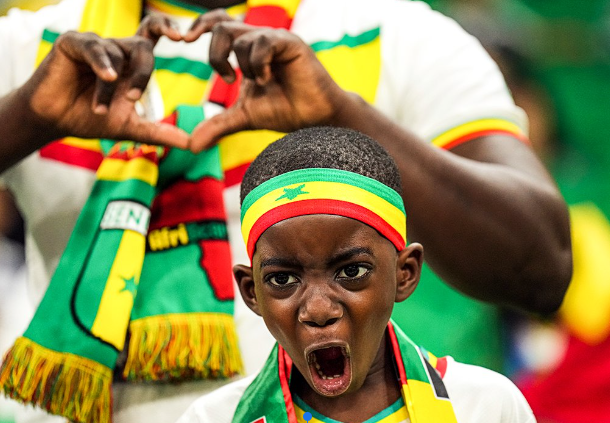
(159, 133)
(209, 132)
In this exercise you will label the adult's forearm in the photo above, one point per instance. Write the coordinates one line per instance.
(21, 132)
(492, 225)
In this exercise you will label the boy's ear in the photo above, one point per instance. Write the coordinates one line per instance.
(245, 282)
(408, 270)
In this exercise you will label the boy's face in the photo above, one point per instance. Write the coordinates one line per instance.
(325, 286)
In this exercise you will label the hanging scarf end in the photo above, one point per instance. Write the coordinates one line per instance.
(61, 383)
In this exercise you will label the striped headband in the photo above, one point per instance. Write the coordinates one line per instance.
(323, 191)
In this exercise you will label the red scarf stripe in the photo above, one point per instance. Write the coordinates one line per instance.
(325, 206)
(285, 367)
(72, 155)
(396, 348)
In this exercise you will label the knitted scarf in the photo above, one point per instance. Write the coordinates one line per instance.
(268, 398)
(154, 225)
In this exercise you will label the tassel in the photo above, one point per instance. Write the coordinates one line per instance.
(61, 383)
(179, 347)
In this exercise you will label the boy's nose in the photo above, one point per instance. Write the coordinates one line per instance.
(319, 309)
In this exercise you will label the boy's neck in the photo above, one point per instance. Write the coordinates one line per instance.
(379, 391)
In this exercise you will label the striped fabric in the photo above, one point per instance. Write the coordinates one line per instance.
(323, 191)
(395, 413)
(475, 129)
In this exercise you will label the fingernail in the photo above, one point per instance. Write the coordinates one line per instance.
(134, 94)
(111, 72)
(100, 109)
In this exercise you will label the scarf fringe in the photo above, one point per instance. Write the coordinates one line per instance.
(62, 383)
(179, 347)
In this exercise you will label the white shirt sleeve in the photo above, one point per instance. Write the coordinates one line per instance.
(480, 395)
(436, 76)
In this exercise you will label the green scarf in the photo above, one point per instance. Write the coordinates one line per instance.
(154, 225)
(268, 398)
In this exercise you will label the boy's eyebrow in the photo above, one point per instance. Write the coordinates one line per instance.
(341, 256)
(348, 254)
(278, 261)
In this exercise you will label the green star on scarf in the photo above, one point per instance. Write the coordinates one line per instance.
(130, 286)
(292, 193)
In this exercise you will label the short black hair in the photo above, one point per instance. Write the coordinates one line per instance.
(323, 147)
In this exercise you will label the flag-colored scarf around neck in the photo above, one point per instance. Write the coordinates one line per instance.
(148, 262)
(268, 398)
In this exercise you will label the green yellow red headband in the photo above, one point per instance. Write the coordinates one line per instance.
(323, 191)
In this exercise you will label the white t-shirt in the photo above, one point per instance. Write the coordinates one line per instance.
(478, 395)
(432, 77)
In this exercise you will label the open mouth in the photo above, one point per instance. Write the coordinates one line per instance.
(330, 370)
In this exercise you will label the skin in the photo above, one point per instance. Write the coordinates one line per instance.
(333, 290)
(507, 224)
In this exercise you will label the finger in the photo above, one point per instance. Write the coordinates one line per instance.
(204, 23)
(208, 132)
(104, 90)
(158, 133)
(221, 45)
(78, 48)
(154, 27)
(139, 50)
(255, 60)
(242, 46)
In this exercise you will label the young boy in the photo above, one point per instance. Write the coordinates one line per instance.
(325, 229)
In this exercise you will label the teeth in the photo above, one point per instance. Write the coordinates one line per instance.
(317, 365)
(323, 376)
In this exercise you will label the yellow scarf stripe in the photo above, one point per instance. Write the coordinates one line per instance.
(482, 126)
(243, 147)
(120, 170)
(326, 191)
(112, 317)
(429, 407)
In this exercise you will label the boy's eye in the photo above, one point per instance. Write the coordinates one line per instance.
(353, 271)
(281, 279)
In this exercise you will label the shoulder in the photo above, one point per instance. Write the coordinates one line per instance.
(218, 406)
(481, 395)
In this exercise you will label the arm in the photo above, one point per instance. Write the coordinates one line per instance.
(493, 223)
(86, 87)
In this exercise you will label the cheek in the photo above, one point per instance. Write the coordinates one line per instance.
(279, 314)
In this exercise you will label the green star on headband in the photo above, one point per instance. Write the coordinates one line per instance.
(323, 191)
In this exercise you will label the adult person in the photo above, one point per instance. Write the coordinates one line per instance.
(492, 183)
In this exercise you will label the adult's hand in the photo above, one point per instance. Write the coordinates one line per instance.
(284, 86)
(86, 87)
